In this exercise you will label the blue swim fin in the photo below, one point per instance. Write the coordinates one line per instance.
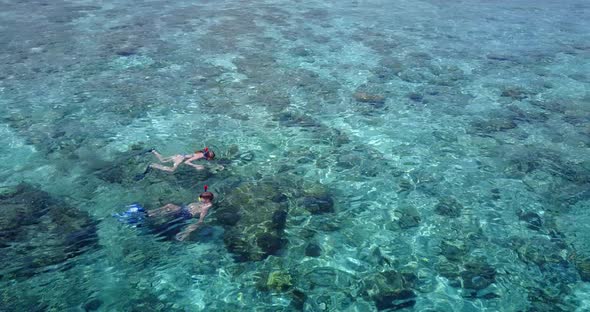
(134, 216)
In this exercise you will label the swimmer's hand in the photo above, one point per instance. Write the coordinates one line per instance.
(182, 236)
(189, 229)
(217, 168)
(198, 167)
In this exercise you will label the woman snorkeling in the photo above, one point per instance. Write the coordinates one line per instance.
(178, 159)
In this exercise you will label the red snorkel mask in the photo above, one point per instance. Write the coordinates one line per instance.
(207, 153)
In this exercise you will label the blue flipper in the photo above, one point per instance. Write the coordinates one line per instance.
(134, 216)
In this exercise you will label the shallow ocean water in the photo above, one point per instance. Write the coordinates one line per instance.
(427, 155)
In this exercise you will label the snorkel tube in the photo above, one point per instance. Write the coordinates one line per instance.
(205, 187)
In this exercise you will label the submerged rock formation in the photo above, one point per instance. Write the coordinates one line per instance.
(390, 290)
(254, 214)
(448, 206)
(373, 99)
(39, 232)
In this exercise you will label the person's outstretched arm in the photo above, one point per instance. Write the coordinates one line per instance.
(186, 232)
(203, 214)
(195, 157)
(192, 227)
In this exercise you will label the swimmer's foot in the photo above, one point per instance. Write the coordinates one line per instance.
(149, 150)
(142, 175)
(216, 169)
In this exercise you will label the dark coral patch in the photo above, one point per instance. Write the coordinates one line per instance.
(448, 206)
(42, 231)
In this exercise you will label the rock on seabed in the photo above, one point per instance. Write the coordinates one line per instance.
(38, 232)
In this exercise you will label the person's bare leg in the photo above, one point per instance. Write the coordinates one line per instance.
(177, 161)
(161, 158)
(162, 167)
(169, 208)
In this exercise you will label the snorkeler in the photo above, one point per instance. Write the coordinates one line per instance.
(176, 160)
(186, 212)
(137, 216)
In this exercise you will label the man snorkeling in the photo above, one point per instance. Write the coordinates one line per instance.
(178, 159)
(137, 216)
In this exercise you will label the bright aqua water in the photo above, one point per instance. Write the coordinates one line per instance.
(453, 137)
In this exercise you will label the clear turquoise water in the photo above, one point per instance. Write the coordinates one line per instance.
(452, 136)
